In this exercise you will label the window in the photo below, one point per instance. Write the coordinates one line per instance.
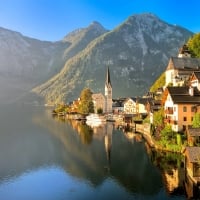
(184, 119)
(184, 109)
(193, 109)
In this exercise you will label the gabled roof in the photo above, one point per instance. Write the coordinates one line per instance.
(184, 49)
(181, 95)
(184, 63)
(193, 154)
(143, 101)
(97, 96)
(195, 75)
(131, 98)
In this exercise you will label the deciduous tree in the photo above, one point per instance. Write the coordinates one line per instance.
(86, 104)
(194, 45)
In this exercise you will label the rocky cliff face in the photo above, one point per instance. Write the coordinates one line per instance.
(136, 52)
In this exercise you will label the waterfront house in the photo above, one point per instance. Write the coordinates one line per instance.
(180, 105)
(130, 105)
(193, 136)
(118, 105)
(136, 105)
(192, 163)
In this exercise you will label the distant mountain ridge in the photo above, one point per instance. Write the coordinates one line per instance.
(27, 62)
(136, 52)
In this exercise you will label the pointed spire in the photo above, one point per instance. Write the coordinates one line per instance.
(108, 82)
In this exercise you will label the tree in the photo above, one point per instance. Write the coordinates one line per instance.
(196, 120)
(99, 111)
(160, 82)
(158, 118)
(194, 45)
(86, 104)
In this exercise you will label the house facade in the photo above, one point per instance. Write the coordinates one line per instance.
(195, 79)
(130, 106)
(193, 136)
(135, 105)
(179, 70)
(99, 102)
(180, 105)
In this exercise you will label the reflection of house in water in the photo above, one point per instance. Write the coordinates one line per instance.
(171, 166)
(108, 141)
(173, 179)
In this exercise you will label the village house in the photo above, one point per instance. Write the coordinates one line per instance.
(118, 105)
(195, 79)
(180, 68)
(136, 105)
(193, 136)
(180, 105)
(130, 106)
(99, 102)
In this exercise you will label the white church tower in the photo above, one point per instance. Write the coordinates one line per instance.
(108, 93)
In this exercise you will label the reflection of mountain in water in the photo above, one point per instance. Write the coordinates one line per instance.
(90, 159)
(81, 151)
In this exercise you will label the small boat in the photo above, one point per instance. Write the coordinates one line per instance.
(95, 120)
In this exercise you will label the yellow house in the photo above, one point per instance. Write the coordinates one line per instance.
(135, 105)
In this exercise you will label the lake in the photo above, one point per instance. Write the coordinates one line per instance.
(43, 157)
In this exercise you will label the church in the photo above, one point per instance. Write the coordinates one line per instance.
(101, 101)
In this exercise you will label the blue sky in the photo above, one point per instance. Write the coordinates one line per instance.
(52, 19)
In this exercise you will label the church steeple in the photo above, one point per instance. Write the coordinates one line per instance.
(108, 82)
(108, 93)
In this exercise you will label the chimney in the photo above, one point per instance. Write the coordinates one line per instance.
(191, 91)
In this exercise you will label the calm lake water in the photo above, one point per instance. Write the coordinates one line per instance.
(42, 157)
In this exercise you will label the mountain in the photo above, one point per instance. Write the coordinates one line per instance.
(27, 62)
(137, 52)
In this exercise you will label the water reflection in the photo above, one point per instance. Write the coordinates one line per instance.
(105, 152)
(105, 161)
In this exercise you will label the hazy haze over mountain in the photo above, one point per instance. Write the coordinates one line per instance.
(136, 51)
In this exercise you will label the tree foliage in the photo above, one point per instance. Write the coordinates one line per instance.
(160, 82)
(86, 104)
(194, 45)
(158, 118)
(196, 121)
